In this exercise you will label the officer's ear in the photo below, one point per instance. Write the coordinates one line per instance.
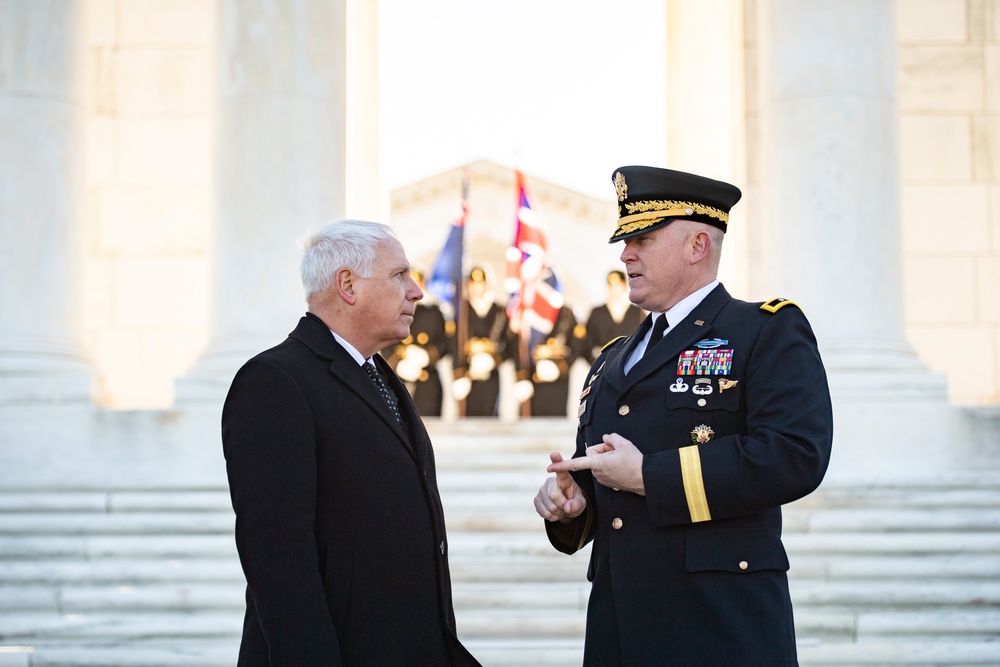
(701, 246)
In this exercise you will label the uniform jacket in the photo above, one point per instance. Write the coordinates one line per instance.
(488, 332)
(339, 524)
(428, 332)
(562, 346)
(694, 571)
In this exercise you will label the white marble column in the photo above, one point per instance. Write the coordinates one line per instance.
(41, 144)
(280, 171)
(366, 198)
(706, 134)
(831, 216)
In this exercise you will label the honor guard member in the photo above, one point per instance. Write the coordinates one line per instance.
(693, 432)
(477, 376)
(415, 357)
(617, 317)
(546, 382)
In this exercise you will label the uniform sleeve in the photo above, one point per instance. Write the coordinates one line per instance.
(269, 442)
(786, 449)
(572, 536)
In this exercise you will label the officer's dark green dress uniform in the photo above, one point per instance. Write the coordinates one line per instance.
(732, 413)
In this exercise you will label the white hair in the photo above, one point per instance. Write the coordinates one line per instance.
(344, 244)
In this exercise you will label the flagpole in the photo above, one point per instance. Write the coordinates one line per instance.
(524, 335)
(461, 292)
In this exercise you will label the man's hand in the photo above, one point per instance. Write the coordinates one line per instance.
(559, 499)
(615, 463)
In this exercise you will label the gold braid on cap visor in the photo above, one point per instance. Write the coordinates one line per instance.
(646, 213)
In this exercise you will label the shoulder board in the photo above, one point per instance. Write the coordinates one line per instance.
(776, 304)
(612, 342)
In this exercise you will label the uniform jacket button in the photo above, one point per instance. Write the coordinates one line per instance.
(744, 565)
(616, 523)
(623, 410)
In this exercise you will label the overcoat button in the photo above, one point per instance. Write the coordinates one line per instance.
(744, 565)
(617, 523)
(623, 410)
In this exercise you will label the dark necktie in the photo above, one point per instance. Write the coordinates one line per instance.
(657, 335)
(383, 388)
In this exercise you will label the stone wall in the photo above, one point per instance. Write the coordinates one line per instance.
(949, 99)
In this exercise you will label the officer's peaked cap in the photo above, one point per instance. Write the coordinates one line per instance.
(651, 197)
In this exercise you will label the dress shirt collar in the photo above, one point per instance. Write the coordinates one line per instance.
(351, 350)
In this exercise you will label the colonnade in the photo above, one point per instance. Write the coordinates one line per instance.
(825, 181)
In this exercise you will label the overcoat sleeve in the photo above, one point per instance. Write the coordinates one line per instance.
(270, 446)
(784, 452)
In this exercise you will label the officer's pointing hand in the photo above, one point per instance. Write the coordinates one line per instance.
(615, 463)
(559, 499)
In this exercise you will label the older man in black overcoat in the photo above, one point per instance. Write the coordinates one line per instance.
(693, 432)
(339, 524)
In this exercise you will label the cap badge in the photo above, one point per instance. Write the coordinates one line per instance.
(701, 434)
(620, 186)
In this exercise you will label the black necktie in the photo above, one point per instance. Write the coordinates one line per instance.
(383, 388)
(657, 335)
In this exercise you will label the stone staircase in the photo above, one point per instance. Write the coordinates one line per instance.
(903, 572)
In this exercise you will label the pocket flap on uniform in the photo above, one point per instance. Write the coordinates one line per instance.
(734, 550)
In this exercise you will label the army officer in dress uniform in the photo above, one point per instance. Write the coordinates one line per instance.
(693, 432)
(415, 357)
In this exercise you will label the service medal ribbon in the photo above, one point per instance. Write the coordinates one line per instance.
(705, 362)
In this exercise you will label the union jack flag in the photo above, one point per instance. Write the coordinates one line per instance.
(536, 296)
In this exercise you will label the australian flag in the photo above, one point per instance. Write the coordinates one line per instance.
(446, 277)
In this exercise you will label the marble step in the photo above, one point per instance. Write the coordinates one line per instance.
(482, 479)
(943, 555)
(517, 653)
(32, 626)
(202, 596)
(548, 567)
(494, 513)
(478, 544)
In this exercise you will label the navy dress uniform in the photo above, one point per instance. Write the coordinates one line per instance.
(731, 411)
(415, 358)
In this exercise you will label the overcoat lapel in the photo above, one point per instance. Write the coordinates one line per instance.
(317, 337)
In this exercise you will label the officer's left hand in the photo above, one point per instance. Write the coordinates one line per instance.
(615, 463)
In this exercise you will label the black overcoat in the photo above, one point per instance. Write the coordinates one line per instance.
(339, 524)
(694, 572)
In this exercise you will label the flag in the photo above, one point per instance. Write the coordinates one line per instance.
(536, 296)
(446, 277)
